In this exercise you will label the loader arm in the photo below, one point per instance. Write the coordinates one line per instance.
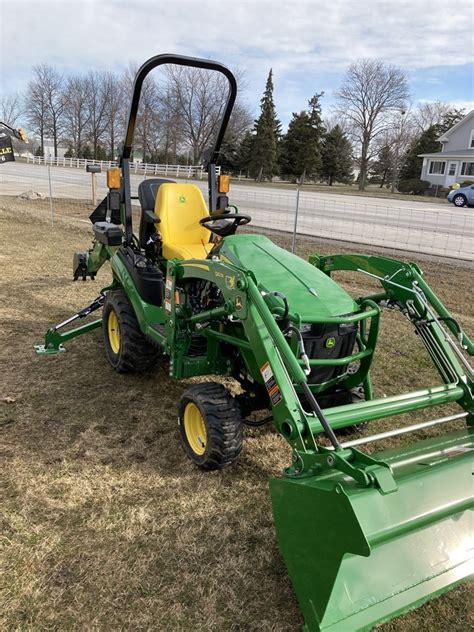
(406, 289)
(371, 512)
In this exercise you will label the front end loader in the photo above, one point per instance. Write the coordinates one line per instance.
(365, 535)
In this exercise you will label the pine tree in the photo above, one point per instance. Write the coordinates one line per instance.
(382, 168)
(337, 157)
(426, 143)
(263, 163)
(301, 146)
(228, 155)
(245, 152)
(315, 117)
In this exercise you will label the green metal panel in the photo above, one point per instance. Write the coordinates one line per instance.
(357, 556)
(310, 292)
(147, 314)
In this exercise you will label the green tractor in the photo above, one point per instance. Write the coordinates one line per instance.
(365, 537)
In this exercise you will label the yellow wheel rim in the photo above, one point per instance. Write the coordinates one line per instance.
(195, 429)
(113, 329)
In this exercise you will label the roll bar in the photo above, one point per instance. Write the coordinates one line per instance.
(179, 60)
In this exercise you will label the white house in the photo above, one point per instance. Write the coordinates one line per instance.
(455, 162)
(49, 149)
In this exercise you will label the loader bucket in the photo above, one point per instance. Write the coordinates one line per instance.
(357, 556)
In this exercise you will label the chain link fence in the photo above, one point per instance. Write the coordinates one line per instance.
(392, 226)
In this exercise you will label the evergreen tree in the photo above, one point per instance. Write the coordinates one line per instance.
(85, 152)
(427, 143)
(315, 117)
(245, 152)
(382, 168)
(301, 146)
(337, 157)
(451, 118)
(263, 162)
(228, 155)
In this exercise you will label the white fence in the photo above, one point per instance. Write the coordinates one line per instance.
(143, 168)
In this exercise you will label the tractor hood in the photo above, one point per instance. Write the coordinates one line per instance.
(310, 292)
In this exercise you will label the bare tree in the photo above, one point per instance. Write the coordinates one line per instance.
(148, 115)
(115, 109)
(10, 109)
(371, 89)
(334, 119)
(172, 136)
(240, 122)
(76, 112)
(148, 118)
(429, 114)
(399, 137)
(36, 108)
(51, 84)
(98, 99)
(201, 97)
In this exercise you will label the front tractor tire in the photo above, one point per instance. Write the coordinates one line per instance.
(210, 426)
(126, 348)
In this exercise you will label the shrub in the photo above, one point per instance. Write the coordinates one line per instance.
(414, 186)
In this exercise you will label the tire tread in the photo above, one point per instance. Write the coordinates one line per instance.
(136, 353)
(223, 425)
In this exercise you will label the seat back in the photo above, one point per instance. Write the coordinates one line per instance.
(180, 207)
(147, 194)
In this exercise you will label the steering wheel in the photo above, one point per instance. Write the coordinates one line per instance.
(220, 225)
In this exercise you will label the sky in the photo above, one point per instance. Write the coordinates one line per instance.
(308, 43)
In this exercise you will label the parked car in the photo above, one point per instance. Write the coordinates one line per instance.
(462, 196)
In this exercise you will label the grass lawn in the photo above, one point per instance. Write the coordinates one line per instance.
(105, 524)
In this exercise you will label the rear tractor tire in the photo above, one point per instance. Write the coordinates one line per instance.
(126, 348)
(210, 426)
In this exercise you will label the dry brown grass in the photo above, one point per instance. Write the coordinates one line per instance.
(106, 525)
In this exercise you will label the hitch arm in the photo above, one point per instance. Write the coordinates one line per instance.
(54, 339)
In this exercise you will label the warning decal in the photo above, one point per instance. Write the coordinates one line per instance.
(270, 383)
(168, 288)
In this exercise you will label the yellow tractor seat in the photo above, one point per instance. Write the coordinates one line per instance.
(180, 207)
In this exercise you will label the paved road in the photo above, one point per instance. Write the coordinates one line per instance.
(423, 227)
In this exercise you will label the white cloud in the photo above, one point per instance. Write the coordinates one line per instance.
(298, 39)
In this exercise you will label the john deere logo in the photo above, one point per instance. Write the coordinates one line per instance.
(330, 343)
(182, 199)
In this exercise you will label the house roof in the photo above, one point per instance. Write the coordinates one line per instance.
(459, 153)
(444, 137)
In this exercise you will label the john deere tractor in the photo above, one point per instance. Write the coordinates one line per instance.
(365, 536)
